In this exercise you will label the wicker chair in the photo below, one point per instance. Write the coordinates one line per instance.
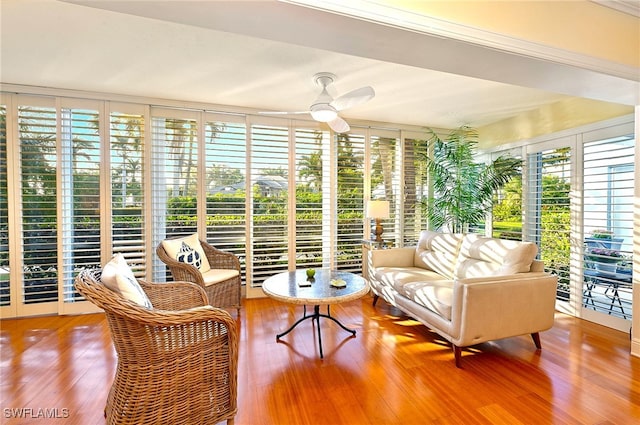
(223, 294)
(177, 364)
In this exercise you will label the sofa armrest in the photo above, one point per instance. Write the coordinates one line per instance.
(393, 257)
(491, 308)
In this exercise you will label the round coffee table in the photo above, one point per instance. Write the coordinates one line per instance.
(295, 288)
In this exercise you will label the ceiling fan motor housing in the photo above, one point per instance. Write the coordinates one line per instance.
(321, 110)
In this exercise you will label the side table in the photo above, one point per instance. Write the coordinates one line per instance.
(285, 287)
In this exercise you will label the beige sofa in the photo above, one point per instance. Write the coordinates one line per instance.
(467, 288)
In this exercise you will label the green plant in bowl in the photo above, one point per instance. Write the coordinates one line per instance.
(311, 273)
(602, 234)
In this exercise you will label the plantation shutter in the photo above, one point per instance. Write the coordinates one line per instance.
(548, 211)
(80, 193)
(127, 142)
(270, 200)
(312, 149)
(415, 189)
(226, 185)
(5, 297)
(385, 176)
(350, 200)
(608, 225)
(38, 175)
(174, 161)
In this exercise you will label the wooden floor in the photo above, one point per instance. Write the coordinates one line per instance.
(394, 371)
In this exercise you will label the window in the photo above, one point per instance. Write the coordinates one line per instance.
(127, 141)
(507, 211)
(38, 176)
(5, 298)
(385, 180)
(506, 214)
(174, 177)
(80, 183)
(415, 185)
(608, 225)
(350, 204)
(548, 211)
(310, 226)
(270, 201)
(225, 183)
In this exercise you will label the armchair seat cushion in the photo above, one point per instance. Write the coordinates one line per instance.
(213, 276)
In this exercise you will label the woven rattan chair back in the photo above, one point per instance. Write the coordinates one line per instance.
(224, 294)
(177, 362)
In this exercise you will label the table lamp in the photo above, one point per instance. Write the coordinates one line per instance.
(378, 210)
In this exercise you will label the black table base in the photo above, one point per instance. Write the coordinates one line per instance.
(316, 316)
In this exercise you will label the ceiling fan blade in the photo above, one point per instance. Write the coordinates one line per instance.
(339, 125)
(353, 98)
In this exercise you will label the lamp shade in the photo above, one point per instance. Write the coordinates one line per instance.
(377, 209)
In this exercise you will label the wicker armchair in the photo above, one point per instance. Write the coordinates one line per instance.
(177, 362)
(222, 294)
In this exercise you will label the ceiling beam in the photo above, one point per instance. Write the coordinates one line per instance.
(321, 29)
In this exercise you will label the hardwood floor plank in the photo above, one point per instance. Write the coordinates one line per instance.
(393, 371)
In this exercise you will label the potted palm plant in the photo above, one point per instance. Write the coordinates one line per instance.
(463, 189)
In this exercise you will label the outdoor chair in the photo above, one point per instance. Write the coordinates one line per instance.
(177, 361)
(193, 260)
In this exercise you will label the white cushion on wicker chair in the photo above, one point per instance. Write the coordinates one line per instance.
(118, 276)
(218, 275)
(187, 250)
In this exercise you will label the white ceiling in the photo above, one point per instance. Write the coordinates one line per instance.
(262, 55)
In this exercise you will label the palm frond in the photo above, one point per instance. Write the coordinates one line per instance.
(463, 189)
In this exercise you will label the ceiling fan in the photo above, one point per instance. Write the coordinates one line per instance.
(325, 108)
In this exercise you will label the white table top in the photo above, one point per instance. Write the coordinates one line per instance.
(284, 287)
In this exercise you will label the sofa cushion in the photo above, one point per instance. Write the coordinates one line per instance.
(397, 277)
(482, 256)
(438, 252)
(437, 296)
(187, 250)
